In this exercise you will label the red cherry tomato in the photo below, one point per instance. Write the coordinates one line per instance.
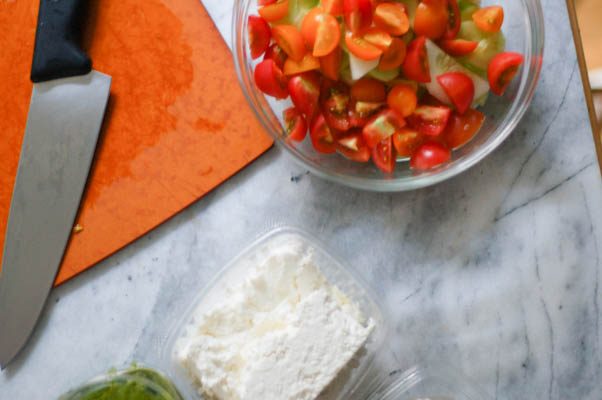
(430, 120)
(274, 11)
(416, 64)
(308, 63)
(392, 18)
(259, 36)
(353, 147)
(320, 31)
(394, 56)
(265, 2)
(382, 126)
(305, 92)
(275, 53)
(270, 80)
(406, 141)
(431, 18)
(459, 88)
(334, 100)
(383, 156)
(402, 98)
(458, 47)
(322, 136)
(330, 64)
(358, 14)
(361, 48)
(295, 125)
(357, 119)
(290, 40)
(502, 69)
(429, 155)
(453, 20)
(489, 19)
(333, 7)
(368, 89)
(461, 128)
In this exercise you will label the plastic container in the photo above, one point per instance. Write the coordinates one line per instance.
(524, 32)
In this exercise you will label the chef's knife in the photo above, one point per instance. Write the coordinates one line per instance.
(65, 115)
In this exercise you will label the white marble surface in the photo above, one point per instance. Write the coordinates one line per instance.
(495, 271)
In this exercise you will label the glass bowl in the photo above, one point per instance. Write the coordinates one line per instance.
(524, 31)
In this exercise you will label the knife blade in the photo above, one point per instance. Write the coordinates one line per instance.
(65, 115)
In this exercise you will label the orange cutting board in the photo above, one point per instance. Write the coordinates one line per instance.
(177, 124)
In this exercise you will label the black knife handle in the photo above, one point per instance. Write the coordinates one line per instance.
(57, 52)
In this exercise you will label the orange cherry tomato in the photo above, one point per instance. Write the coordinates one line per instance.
(330, 64)
(502, 69)
(320, 31)
(393, 57)
(333, 7)
(290, 40)
(406, 141)
(431, 19)
(454, 19)
(383, 156)
(489, 19)
(416, 64)
(361, 48)
(392, 18)
(309, 26)
(461, 128)
(368, 89)
(275, 11)
(377, 37)
(308, 63)
(402, 98)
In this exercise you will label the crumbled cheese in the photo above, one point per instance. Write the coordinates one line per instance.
(284, 333)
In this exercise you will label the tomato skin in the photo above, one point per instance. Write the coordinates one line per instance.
(305, 92)
(377, 37)
(382, 126)
(275, 53)
(406, 141)
(458, 47)
(461, 128)
(334, 102)
(270, 80)
(429, 155)
(330, 64)
(322, 137)
(259, 36)
(459, 88)
(392, 18)
(308, 63)
(453, 20)
(431, 18)
(361, 48)
(430, 120)
(489, 19)
(402, 98)
(309, 26)
(353, 147)
(358, 14)
(394, 56)
(383, 156)
(333, 7)
(295, 125)
(274, 11)
(320, 31)
(290, 40)
(502, 69)
(265, 2)
(416, 65)
(369, 90)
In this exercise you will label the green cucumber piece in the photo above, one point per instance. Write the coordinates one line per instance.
(297, 10)
(488, 46)
(384, 76)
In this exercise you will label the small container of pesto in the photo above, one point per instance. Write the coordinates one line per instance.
(134, 383)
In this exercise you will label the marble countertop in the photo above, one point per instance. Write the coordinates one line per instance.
(495, 272)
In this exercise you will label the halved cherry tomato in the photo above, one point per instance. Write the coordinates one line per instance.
(489, 19)
(308, 63)
(402, 98)
(392, 18)
(353, 147)
(309, 26)
(270, 80)
(459, 88)
(406, 141)
(416, 64)
(358, 14)
(290, 40)
(305, 92)
(368, 89)
(330, 64)
(259, 36)
(502, 69)
(356, 118)
(381, 126)
(393, 57)
(333, 7)
(274, 11)
(276, 54)
(322, 136)
(377, 37)
(430, 120)
(383, 156)
(361, 48)
(461, 128)
(334, 101)
(320, 31)
(431, 18)
(295, 125)
(429, 155)
(454, 19)
(265, 2)
(458, 47)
